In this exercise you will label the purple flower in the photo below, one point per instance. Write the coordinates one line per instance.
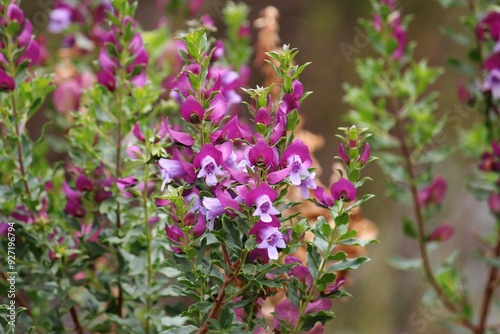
(343, 189)
(106, 62)
(365, 156)
(262, 197)
(4, 227)
(322, 304)
(134, 152)
(300, 271)
(306, 185)
(492, 83)
(317, 329)
(83, 183)
(74, 208)
(7, 83)
(490, 23)
(192, 111)
(60, 19)
(262, 155)
(490, 161)
(177, 136)
(269, 237)
(171, 169)
(214, 209)
(67, 96)
(287, 312)
(232, 130)
(433, 193)
(263, 116)
(442, 233)
(31, 53)
(343, 155)
(124, 183)
(178, 236)
(107, 79)
(400, 35)
(25, 36)
(208, 160)
(136, 130)
(323, 197)
(70, 193)
(492, 62)
(494, 203)
(14, 13)
(331, 288)
(296, 159)
(217, 108)
(291, 101)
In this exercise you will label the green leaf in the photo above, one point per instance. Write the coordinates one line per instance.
(342, 219)
(402, 263)
(339, 256)
(457, 37)
(181, 330)
(349, 264)
(292, 120)
(356, 242)
(409, 228)
(452, 3)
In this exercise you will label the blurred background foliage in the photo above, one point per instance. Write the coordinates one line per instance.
(385, 300)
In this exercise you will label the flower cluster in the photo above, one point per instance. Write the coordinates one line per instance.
(488, 29)
(120, 44)
(92, 189)
(88, 16)
(20, 49)
(389, 21)
(490, 163)
(239, 170)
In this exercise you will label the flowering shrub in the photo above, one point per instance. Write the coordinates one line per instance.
(173, 210)
(394, 103)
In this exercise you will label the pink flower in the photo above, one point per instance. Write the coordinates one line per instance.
(262, 197)
(442, 233)
(343, 189)
(433, 193)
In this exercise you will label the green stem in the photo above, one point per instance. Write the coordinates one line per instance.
(313, 291)
(148, 239)
(20, 155)
(119, 116)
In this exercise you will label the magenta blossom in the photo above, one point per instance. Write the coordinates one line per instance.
(60, 19)
(208, 161)
(296, 160)
(433, 193)
(494, 203)
(291, 101)
(262, 197)
(490, 23)
(343, 189)
(492, 83)
(442, 233)
(213, 209)
(179, 237)
(269, 237)
(263, 155)
(7, 83)
(343, 154)
(289, 313)
(365, 156)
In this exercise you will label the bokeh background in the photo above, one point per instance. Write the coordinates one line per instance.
(385, 300)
